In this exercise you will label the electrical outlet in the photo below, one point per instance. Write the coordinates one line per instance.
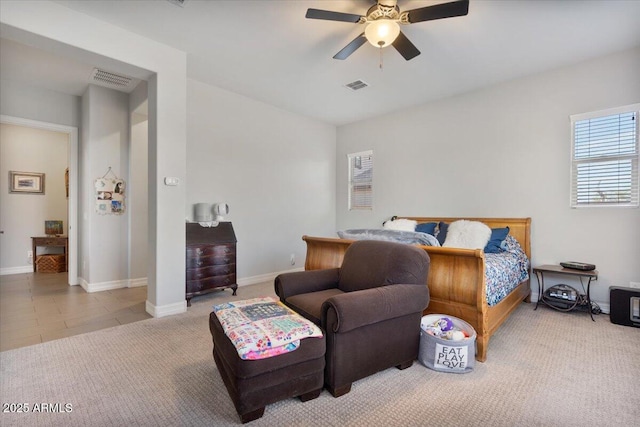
(293, 259)
(635, 285)
(29, 254)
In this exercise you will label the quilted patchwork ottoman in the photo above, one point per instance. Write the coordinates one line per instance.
(253, 384)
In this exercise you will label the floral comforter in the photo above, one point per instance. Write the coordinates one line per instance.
(505, 270)
(263, 327)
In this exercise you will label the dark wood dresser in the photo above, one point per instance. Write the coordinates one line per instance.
(211, 259)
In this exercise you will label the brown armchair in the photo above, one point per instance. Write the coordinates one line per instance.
(370, 308)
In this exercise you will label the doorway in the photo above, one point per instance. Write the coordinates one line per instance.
(72, 201)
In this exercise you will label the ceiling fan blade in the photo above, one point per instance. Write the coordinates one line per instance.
(351, 47)
(405, 47)
(332, 16)
(438, 11)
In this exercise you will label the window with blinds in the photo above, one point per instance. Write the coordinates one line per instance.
(361, 180)
(604, 158)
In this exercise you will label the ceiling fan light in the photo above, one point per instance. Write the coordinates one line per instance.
(382, 32)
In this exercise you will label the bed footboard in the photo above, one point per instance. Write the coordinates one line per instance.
(457, 287)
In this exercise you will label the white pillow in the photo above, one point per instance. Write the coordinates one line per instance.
(467, 234)
(401, 225)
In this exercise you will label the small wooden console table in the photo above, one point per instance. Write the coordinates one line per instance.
(53, 241)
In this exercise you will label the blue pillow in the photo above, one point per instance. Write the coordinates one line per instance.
(495, 241)
(427, 227)
(442, 232)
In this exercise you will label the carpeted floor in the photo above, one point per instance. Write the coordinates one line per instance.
(544, 368)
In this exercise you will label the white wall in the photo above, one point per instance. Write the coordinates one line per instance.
(138, 194)
(30, 102)
(137, 203)
(105, 145)
(504, 151)
(84, 190)
(22, 215)
(275, 170)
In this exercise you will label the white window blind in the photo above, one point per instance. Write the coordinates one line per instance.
(604, 158)
(361, 180)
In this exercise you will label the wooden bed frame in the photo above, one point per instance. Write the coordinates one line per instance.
(456, 277)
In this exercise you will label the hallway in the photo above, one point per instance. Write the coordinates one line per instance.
(40, 307)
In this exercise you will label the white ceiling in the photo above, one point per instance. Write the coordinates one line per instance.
(268, 51)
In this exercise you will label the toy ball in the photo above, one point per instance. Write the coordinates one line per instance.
(445, 324)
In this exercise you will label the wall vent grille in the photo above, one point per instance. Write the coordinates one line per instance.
(356, 85)
(113, 80)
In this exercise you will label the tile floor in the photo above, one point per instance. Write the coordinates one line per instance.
(39, 307)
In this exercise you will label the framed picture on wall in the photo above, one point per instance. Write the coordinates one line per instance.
(26, 182)
(53, 228)
(109, 196)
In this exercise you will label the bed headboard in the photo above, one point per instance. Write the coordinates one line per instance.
(520, 228)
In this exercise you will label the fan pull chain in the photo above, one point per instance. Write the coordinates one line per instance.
(381, 63)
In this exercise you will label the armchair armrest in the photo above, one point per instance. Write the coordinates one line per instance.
(302, 282)
(352, 310)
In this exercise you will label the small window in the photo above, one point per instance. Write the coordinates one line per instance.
(604, 158)
(361, 180)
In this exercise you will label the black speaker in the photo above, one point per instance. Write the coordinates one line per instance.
(624, 306)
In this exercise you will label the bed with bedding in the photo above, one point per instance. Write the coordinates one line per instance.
(480, 288)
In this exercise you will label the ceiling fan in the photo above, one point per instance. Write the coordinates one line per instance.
(382, 24)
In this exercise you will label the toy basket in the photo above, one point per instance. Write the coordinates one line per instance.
(51, 263)
(446, 355)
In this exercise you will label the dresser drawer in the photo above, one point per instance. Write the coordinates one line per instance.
(207, 261)
(194, 286)
(50, 241)
(211, 271)
(206, 250)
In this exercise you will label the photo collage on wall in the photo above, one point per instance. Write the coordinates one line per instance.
(109, 196)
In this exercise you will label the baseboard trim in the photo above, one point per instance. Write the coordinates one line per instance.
(16, 270)
(106, 286)
(261, 278)
(135, 283)
(166, 310)
(114, 284)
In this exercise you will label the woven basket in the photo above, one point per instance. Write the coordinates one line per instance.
(51, 263)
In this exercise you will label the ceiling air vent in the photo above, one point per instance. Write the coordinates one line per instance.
(112, 80)
(357, 85)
